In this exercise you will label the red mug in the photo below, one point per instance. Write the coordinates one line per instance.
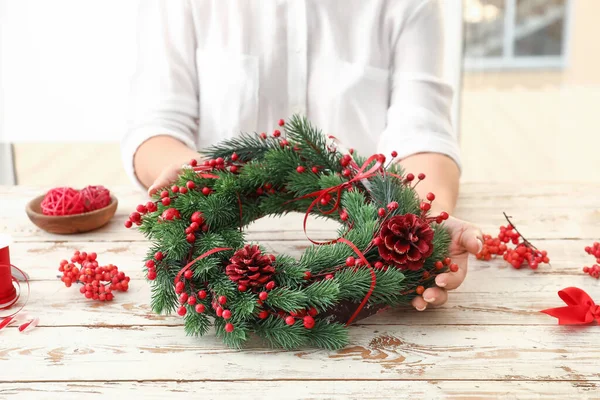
(8, 293)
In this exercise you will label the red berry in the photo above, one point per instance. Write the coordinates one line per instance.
(193, 162)
(191, 300)
(182, 311)
(381, 212)
(164, 194)
(190, 238)
(290, 320)
(179, 287)
(309, 322)
(425, 206)
(453, 267)
(263, 135)
(281, 122)
(307, 275)
(141, 209)
(312, 311)
(242, 288)
(200, 308)
(190, 185)
(234, 157)
(175, 189)
(183, 190)
(350, 261)
(159, 255)
(206, 191)
(220, 161)
(447, 261)
(263, 296)
(444, 215)
(263, 314)
(329, 276)
(226, 314)
(166, 201)
(188, 274)
(183, 297)
(202, 294)
(197, 217)
(276, 133)
(315, 170)
(300, 169)
(430, 196)
(134, 217)
(233, 169)
(270, 285)
(420, 290)
(150, 264)
(410, 177)
(229, 327)
(128, 224)
(421, 176)
(222, 300)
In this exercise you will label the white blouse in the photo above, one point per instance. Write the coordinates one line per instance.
(368, 72)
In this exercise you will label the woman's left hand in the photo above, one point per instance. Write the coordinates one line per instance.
(466, 238)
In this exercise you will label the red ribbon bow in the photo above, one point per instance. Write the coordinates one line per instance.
(580, 309)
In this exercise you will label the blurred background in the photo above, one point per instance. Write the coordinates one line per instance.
(528, 110)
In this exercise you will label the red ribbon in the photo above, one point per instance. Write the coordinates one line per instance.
(8, 319)
(201, 168)
(580, 308)
(320, 194)
(189, 265)
(373, 278)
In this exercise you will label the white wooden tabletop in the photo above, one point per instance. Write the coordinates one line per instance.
(488, 341)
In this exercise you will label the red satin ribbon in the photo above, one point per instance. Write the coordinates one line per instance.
(201, 168)
(373, 278)
(7, 319)
(580, 308)
(320, 194)
(208, 253)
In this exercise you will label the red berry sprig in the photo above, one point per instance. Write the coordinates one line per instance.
(593, 250)
(98, 282)
(524, 252)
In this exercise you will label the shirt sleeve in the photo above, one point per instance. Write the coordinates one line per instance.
(164, 89)
(419, 115)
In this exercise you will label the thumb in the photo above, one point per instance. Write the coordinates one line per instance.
(472, 239)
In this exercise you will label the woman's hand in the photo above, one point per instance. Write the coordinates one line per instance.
(168, 175)
(466, 238)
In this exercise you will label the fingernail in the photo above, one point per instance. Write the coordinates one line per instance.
(429, 299)
(440, 283)
(480, 245)
(421, 309)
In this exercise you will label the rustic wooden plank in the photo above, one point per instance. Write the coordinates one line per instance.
(542, 210)
(390, 352)
(259, 390)
(513, 301)
(40, 259)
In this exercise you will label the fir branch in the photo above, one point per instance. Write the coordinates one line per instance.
(234, 339)
(246, 146)
(196, 324)
(312, 144)
(287, 299)
(278, 334)
(288, 272)
(323, 294)
(329, 336)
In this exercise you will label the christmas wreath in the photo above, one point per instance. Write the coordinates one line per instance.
(389, 247)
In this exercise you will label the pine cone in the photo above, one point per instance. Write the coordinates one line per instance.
(405, 241)
(249, 267)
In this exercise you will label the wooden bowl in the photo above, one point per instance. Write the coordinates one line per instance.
(69, 224)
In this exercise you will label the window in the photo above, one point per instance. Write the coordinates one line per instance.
(515, 33)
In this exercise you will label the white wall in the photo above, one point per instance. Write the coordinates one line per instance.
(65, 67)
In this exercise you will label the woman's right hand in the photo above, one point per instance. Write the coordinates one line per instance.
(168, 175)
(158, 161)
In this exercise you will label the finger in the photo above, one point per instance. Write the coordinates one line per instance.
(435, 296)
(472, 239)
(163, 180)
(452, 280)
(419, 303)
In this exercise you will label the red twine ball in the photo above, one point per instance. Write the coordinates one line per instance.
(95, 197)
(62, 201)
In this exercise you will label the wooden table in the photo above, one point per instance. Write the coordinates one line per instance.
(489, 341)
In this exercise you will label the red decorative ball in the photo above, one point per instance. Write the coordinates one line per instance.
(394, 153)
(350, 261)
(202, 294)
(152, 274)
(166, 201)
(226, 314)
(263, 314)
(276, 133)
(229, 327)
(206, 191)
(406, 241)
(200, 308)
(300, 169)
(234, 157)
(421, 176)
(182, 311)
(95, 197)
(190, 185)
(170, 214)
(281, 122)
(410, 177)
(290, 320)
(381, 212)
(63, 201)
(222, 300)
(309, 322)
(263, 296)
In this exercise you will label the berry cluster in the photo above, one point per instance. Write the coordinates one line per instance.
(594, 250)
(523, 252)
(98, 282)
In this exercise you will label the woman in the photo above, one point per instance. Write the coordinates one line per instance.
(369, 72)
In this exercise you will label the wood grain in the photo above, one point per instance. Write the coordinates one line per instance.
(259, 390)
(382, 352)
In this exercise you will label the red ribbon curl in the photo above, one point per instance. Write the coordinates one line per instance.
(320, 194)
(580, 309)
(189, 265)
